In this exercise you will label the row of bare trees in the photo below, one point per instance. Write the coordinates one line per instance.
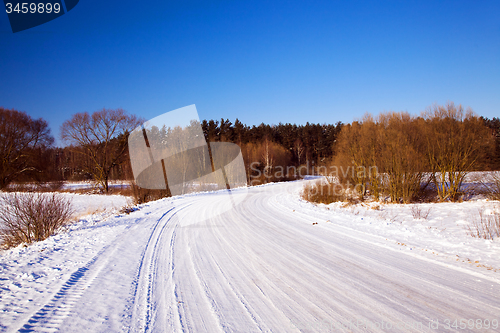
(97, 146)
(399, 155)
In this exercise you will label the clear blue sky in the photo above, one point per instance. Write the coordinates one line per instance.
(259, 61)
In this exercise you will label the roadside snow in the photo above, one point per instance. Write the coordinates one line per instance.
(88, 204)
(28, 275)
(437, 228)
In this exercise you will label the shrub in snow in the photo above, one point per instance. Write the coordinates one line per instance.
(143, 195)
(31, 217)
(493, 187)
(326, 192)
(419, 213)
(487, 226)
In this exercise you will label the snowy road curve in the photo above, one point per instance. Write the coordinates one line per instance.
(260, 267)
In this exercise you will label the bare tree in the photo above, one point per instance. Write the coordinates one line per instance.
(357, 151)
(455, 141)
(298, 147)
(401, 158)
(102, 137)
(20, 136)
(267, 156)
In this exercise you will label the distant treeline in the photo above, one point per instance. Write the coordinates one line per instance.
(266, 146)
(28, 153)
(270, 150)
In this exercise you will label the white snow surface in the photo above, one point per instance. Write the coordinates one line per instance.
(273, 263)
(83, 185)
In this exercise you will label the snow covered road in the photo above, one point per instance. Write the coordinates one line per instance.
(260, 267)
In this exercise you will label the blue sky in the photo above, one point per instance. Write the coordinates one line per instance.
(259, 61)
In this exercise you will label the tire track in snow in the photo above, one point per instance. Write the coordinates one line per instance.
(197, 304)
(277, 279)
(258, 268)
(432, 276)
(315, 274)
(434, 283)
(145, 294)
(228, 291)
(50, 316)
(209, 301)
(141, 312)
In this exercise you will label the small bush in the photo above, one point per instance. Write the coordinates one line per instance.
(124, 190)
(326, 193)
(31, 217)
(128, 209)
(493, 187)
(419, 213)
(143, 195)
(487, 226)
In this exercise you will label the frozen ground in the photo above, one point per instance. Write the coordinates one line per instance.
(274, 263)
